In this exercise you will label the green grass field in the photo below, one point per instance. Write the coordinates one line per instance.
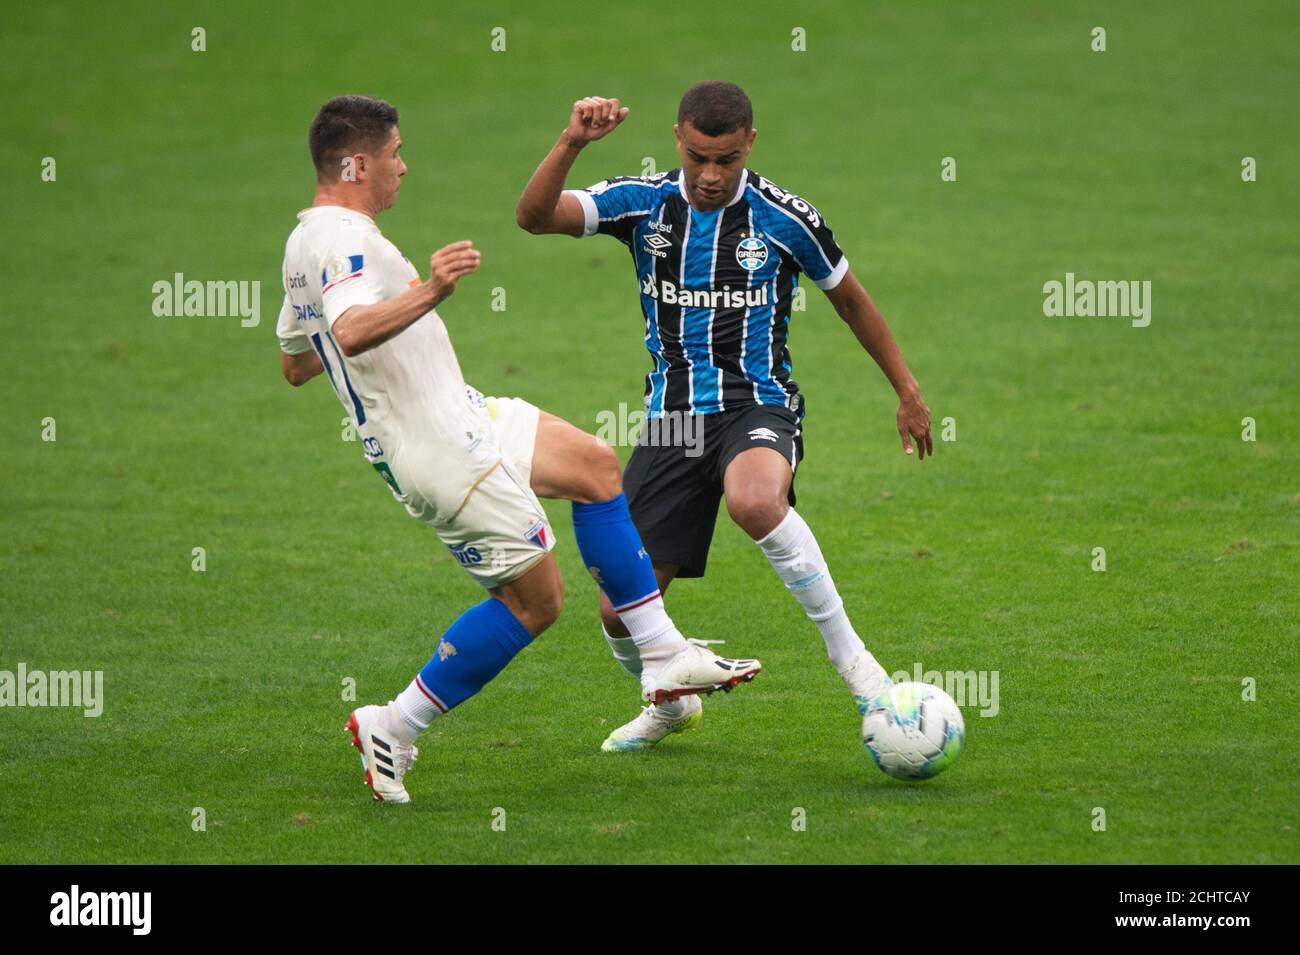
(1121, 690)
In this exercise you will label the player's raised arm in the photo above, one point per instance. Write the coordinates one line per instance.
(544, 208)
(362, 327)
(854, 305)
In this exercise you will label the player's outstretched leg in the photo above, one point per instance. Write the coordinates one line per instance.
(573, 465)
(756, 485)
(474, 649)
(658, 720)
(795, 555)
(671, 667)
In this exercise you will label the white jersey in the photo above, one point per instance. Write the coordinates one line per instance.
(457, 460)
(407, 389)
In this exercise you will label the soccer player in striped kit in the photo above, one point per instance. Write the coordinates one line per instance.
(471, 466)
(718, 250)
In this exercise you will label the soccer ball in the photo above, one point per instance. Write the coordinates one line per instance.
(913, 730)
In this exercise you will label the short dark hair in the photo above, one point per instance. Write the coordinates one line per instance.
(346, 124)
(715, 108)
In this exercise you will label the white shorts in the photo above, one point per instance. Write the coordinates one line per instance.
(492, 523)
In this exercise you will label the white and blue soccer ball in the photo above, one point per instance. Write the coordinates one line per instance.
(913, 730)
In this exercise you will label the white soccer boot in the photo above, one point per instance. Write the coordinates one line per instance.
(651, 726)
(384, 757)
(698, 669)
(866, 680)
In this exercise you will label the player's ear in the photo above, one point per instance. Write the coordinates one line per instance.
(750, 144)
(677, 135)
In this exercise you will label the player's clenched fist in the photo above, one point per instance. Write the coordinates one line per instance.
(593, 118)
(449, 264)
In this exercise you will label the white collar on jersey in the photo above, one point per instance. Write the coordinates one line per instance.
(740, 188)
(311, 209)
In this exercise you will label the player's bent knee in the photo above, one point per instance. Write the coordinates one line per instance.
(757, 515)
(538, 615)
(544, 608)
(606, 474)
(537, 597)
(555, 603)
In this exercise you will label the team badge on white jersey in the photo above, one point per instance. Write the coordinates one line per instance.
(339, 270)
(537, 535)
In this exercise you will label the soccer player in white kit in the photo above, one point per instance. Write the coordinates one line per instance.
(471, 466)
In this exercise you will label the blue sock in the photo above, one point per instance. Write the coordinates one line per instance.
(473, 650)
(611, 548)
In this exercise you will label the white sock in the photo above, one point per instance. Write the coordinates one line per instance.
(797, 560)
(629, 657)
(625, 652)
(414, 711)
(656, 638)
(671, 710)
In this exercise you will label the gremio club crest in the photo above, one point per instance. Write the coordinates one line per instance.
(751, 253)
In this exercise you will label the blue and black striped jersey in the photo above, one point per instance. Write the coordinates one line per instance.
(716, 287)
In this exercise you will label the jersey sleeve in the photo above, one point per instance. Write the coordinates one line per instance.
(349, 274)
(293, 337)
(615, 206)
(802, 231)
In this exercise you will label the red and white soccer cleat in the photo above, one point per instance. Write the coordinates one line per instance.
(384, 758)
(699, 670)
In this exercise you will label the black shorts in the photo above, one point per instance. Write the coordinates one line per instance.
(673, 481)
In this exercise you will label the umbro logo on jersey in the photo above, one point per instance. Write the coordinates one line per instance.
(656, 244)
(763, 434)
